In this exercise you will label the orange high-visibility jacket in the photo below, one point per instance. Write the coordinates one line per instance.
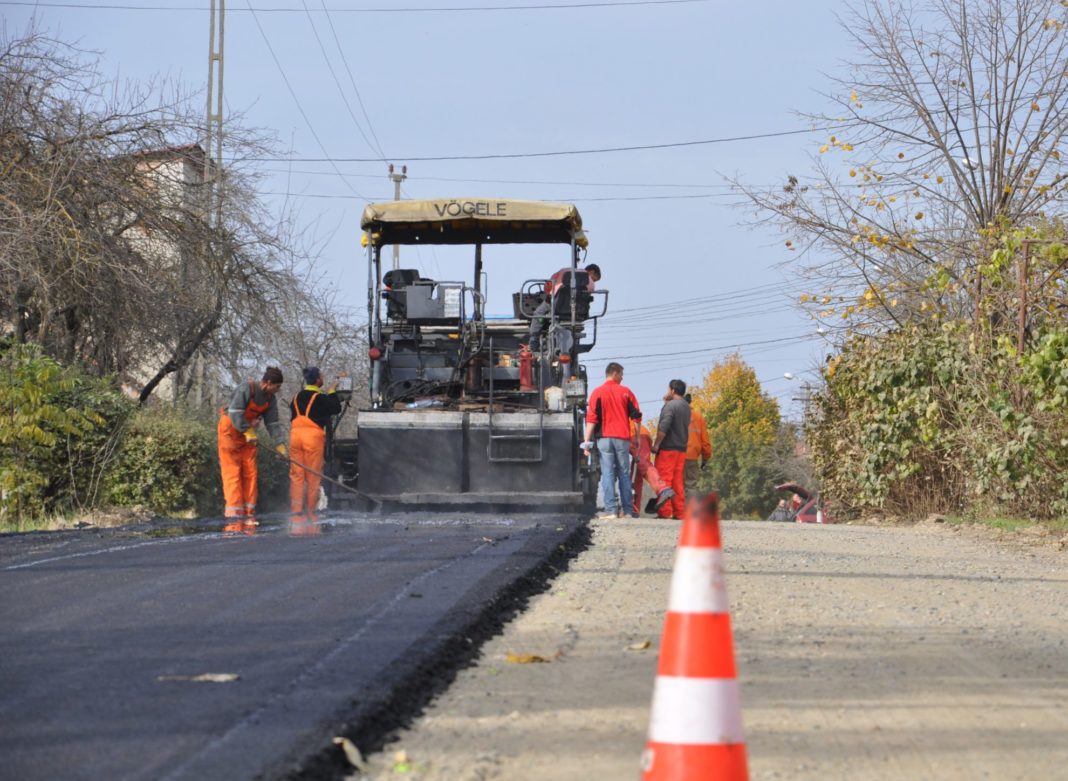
(698, 445)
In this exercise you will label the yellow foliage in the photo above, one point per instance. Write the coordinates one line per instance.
(729, 396)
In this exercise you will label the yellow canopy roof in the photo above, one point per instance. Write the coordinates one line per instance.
(472, 221)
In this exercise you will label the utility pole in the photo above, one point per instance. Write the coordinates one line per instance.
(214, 117)
(397, 179)
(213, 131)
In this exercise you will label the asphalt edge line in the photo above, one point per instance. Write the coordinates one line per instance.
(370, 725)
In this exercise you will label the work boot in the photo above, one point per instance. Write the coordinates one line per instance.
(650, 506)
(664, 497)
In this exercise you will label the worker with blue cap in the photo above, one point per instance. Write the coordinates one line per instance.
(310, 413)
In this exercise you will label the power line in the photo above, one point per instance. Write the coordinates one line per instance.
(741, 293)
(293, 94)
(780, 341)
(352, 80)
(337, 82)
(718, 185)
(401, 10)
(558, 153)
(568, 199)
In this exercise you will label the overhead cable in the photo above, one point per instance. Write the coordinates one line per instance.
(352, 80)
(380, 10)
(293, 94)
(337, 82)
(558, 153)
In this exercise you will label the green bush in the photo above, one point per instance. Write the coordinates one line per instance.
(58, 427)
(919, 420)
(167, 462)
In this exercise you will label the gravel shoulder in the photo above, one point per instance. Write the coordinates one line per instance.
(863, 653)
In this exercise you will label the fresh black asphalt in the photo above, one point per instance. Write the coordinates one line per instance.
(341, 627)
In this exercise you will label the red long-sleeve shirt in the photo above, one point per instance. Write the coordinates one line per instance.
(613, 405)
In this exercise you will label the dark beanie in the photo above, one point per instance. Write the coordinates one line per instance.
(273, 374)
(311, 375)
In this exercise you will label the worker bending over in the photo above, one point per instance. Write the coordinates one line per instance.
(310, 413)
(643, 470)
(250, 403)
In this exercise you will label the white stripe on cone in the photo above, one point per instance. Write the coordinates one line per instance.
(697, 585)
(696, 711)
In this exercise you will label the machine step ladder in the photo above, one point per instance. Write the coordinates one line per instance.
(497, 441)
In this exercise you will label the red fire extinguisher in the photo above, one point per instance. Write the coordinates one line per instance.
(526, 369)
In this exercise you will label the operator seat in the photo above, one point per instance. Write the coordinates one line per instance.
(396, 280)
(562, 300)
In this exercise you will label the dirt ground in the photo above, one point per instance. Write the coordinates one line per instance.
(922, 652)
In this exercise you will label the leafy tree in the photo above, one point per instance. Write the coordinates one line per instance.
(921, 420)
(742, 424)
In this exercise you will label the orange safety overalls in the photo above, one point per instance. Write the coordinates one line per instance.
(237, 460)
(307, 443)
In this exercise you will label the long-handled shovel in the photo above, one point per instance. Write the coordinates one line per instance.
(373, 502)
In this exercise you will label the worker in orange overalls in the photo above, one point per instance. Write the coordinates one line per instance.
(251, 403)
(310, 413)
(698, 447)
(642, 470)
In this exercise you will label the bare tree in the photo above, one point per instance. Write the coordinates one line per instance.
(107, 255)
(948, 130)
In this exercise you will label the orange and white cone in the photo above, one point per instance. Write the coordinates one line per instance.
(695, 729)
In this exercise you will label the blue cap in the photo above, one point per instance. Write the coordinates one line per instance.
(311, 375)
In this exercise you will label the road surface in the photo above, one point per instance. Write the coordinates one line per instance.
(863, 653)
(189, 652)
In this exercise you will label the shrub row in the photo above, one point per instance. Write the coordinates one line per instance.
(71, 442)
(932, 419)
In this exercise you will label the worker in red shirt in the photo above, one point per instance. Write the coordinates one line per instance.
(611, 408)
(698, 449)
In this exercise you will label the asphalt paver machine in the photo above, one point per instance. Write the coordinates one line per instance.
(464, 411)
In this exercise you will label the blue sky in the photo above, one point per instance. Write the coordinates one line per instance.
(440, 82)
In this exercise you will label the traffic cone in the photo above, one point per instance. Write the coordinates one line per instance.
(695, 729)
